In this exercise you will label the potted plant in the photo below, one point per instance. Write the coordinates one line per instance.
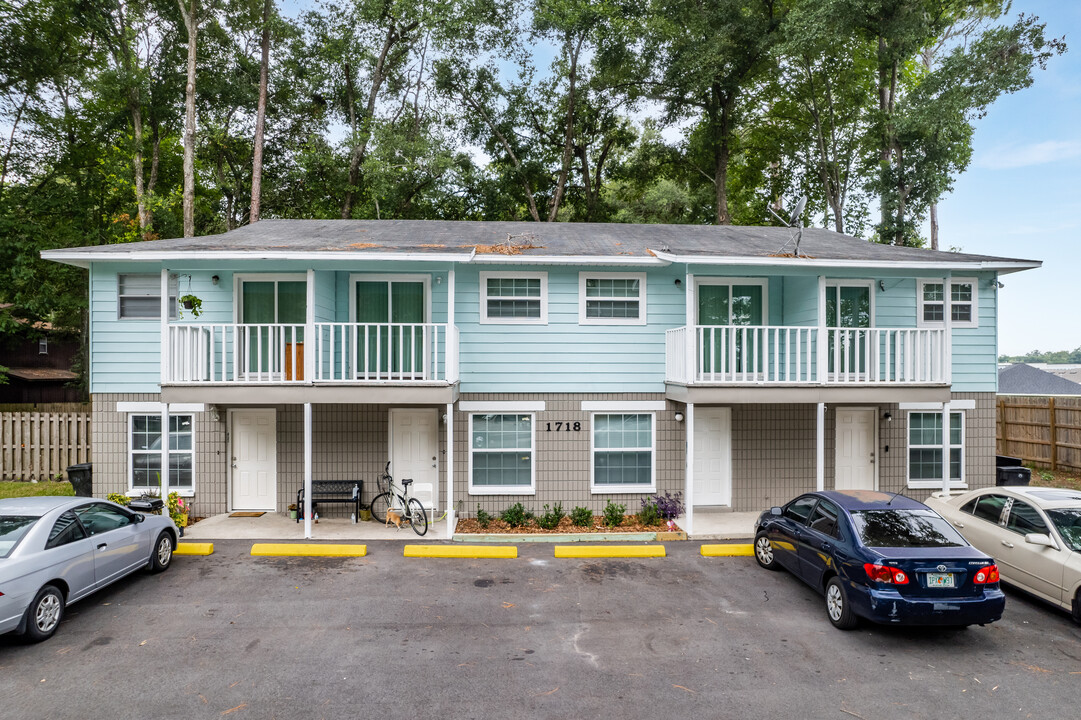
(178, 509)
(192, 303)
(293, 511)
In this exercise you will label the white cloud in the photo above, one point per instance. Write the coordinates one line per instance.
(1006, 157)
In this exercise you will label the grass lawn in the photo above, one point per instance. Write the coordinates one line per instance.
(28, 489)
(1059, 478)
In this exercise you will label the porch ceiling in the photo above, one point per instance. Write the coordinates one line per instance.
(806, 394)
(318, 394)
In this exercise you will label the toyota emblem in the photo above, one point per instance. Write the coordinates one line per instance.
(942, 568)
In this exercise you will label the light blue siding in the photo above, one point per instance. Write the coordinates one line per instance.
(975, 350)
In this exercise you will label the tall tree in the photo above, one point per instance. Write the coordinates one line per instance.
(260, 120)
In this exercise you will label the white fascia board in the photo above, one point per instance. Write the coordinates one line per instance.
(501, 406)
(622, 405)
(968, 404)
(82, 258)
(998, 266)
(568, 260)
(156, 407)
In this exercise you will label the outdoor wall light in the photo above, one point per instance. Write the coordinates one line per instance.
(888, 417)
(444, 418)
(438, 279)
(679, 283)
(215, 279)
(882, 285)
(679, 417)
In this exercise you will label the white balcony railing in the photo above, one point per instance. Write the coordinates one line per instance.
(790, 355)
(226, 353)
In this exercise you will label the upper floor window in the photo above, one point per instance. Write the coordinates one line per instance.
(963, 307)
(519, 298)
(139, 296)
(612, 298)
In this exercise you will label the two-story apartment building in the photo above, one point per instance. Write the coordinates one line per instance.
(497, 362)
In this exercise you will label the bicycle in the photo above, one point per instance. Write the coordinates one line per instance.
(410, 509)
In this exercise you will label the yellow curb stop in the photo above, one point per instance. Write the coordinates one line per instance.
(193, 548)
(462, 551)
(308, 550)
(609, 551)
(728, 550)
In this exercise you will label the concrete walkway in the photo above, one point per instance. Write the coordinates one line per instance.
(708, 525)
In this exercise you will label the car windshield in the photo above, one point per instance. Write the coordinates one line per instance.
(12, 529)
(1068, 523)
(905, 528)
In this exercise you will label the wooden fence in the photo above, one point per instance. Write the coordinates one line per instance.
(1043, 431)
(40, 444)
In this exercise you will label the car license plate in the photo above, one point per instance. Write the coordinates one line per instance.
(940, 580)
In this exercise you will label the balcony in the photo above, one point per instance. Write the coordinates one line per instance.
(806, 356)
(321, 354)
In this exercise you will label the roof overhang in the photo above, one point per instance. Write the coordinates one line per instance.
(1001, 267)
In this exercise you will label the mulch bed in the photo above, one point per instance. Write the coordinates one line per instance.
(630, 525)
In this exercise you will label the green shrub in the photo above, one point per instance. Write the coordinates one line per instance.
(516, 515)
(613, 514)
(650, 514)
(582, 517)
(118, 498)
(483, 518)
(550, 519)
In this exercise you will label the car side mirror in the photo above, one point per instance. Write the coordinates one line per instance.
(775, 511)
(138, 518)
(1041, 539)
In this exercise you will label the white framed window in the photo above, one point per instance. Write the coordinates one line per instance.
(925, 449)
(144, 453)
(138, 296)
(964, 307)
(514, 298)
(623, 449)
(501, 453)
(611, 298)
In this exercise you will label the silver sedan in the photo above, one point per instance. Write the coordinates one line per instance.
(57, 550)
(1033, 532)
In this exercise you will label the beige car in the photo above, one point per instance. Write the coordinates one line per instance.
(1034, 534)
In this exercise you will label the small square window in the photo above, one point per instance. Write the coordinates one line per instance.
(139, 297)
(612, 298)
(932, 310)
(514, 298)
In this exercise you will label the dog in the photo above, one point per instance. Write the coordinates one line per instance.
(394, 517)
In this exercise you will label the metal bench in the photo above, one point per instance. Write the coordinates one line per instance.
(332, 491)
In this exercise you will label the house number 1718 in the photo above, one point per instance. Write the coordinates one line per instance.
(564, 426)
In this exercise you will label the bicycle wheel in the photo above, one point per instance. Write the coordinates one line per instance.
(417, 517)
(380, 503)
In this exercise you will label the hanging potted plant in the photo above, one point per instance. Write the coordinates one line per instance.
(192, 303)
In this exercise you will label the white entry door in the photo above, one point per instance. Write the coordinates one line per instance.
(712, 456)
(254, 461)
(855, 456)
(414, 452)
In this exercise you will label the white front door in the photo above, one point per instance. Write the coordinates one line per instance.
(414, 448)
(855, 456)
(712, 456)
(254, 461)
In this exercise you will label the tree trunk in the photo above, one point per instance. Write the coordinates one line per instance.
(191, 22)
(260, 120)
(11, 141)
(568, 130)
(934, 226)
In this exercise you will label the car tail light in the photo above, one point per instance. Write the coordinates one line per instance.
(886, 574)
(986, 575)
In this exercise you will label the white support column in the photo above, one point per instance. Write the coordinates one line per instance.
(309, 329)
(688, 418)
(165, 352)
(691, 318)
(946, 447)
(820, 448)
(307, 471)
(452, 516)
(450, 297)
(450, 357)
(823, 342)
(165, 453)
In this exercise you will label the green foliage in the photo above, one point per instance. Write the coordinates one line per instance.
(516, 515)
(118, 498)
(581, 517)
(650, 514)
(11, 489)
(483, 518)
(613, 514)
(1036, 356)
(550, 518)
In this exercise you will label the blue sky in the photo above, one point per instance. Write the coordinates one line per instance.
(1021, 195)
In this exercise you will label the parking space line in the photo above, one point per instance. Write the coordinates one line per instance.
(609, 551)
(307, 550)
(461, 551)
(728, 550)
(194, 548)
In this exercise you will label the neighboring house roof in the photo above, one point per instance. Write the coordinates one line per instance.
(41, 374)
(1022, 379)
(523, 242)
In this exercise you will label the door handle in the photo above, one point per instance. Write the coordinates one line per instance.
(1007, 543)
(827, 546)
(103, 546)
(958, 524)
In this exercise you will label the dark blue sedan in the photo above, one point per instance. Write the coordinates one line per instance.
(883, 557)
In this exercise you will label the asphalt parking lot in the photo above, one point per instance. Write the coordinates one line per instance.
(381, 636)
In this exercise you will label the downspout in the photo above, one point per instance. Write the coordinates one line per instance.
(164, 475)
(947, 367)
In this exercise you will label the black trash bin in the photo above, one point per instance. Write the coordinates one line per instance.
(1016, 475)
(1007, 461)
(82, 479)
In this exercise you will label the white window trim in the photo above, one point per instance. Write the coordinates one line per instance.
(483, 292)
(134, 491)
(174, 294)
(354, 278)
(961, 484)
(700, 280)
(531, 489)
(595, 489)
(973, 323)
(584, 276)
